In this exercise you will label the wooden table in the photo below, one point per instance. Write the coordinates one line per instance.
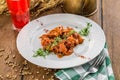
(14, 67)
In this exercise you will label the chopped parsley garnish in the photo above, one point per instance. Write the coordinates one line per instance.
(70, 33)
(56, 41)
(85, 31)
(41, 52)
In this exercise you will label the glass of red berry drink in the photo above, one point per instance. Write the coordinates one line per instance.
(19, 10)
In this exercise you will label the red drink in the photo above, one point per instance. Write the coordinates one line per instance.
(19, 10)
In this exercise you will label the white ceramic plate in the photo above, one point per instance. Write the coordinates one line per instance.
(28, 40)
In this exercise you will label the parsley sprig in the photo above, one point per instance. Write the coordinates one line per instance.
(85, 31)
(41, 52)
(56, 41)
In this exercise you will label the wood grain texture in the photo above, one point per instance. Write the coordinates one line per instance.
(97, 16)
(111, 26)
(10, 60)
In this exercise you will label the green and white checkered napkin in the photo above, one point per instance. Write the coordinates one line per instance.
(105, 71)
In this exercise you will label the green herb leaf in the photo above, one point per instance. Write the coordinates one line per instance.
(85, 31)
(56, 41)
(48, 47)
(72, 32)
(41, 52)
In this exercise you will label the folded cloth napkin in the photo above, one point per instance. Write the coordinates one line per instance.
(105, 71)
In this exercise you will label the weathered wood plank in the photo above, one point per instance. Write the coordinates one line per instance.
(97, 16)
(111, 26)
(10, 60)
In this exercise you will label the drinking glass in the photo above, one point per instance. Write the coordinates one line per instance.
(19, 10)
